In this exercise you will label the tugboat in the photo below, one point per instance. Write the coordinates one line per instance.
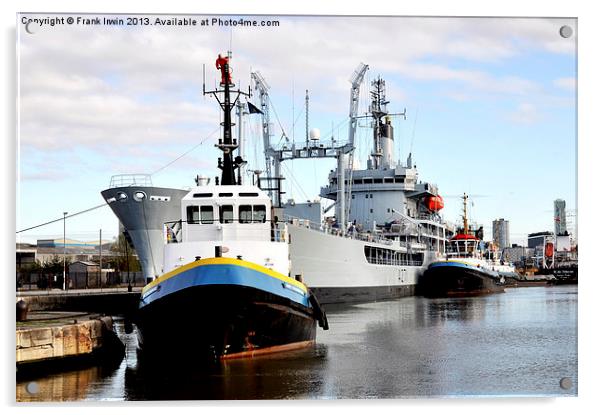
(468, 269)
(226, 289)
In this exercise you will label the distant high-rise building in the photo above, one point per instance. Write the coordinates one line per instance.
(559, 217)
(501, 233)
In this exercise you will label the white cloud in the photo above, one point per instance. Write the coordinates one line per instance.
(525, 113)
(566, 83)
(115, 90)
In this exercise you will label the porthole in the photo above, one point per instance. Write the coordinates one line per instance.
(122, 197)
(139, 196)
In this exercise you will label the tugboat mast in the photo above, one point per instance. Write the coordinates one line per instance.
(227, 144)
(465, 217)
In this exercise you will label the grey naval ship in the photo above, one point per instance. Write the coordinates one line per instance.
(142, 210)
(385, 231)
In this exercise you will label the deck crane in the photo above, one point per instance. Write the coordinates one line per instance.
(345, 196)
(262, 87)
(343, 153)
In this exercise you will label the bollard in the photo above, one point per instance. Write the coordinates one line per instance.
(22, 309)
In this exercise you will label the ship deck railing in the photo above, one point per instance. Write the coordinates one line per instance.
(361, 236)
(126, 180)
(393, 261)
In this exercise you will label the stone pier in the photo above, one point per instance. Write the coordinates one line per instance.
(49, 336)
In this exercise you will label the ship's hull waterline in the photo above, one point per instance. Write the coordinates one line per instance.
(455, 280)
(246, 315)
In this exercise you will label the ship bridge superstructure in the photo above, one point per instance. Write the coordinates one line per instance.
(387, 197)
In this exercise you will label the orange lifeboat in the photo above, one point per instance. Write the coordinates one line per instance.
(549, 250)
(434, 203)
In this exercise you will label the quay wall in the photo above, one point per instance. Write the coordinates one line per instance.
(77, 338)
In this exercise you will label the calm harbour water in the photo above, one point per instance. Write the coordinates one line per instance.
(519, 343)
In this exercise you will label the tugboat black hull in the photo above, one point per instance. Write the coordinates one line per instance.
(221, 308)
(222, 321)
(457, 281)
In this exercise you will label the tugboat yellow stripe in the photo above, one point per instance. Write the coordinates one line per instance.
(225, 261)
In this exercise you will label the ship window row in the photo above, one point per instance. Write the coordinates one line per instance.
(384, 256)
(241, 194)
(371, 180)
(368, 196)
(246, 214)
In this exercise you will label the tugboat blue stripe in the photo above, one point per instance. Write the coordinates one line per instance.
(459, 264)
(452, 264)
(223, 260)
(224, 274)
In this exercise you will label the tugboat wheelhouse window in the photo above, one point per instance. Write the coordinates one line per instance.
(259, 213)
(192, 214)
(207, 214)
(226, 214)
(245, 213)
(199, 214)
(251, 214)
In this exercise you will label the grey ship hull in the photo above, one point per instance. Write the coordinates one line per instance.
(143, 218)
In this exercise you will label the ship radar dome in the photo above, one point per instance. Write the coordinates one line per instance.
(314, 134)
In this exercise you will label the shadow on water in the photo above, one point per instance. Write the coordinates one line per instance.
(285, 375)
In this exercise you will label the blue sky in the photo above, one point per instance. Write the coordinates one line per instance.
(490, 105)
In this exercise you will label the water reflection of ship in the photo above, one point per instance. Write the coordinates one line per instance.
(286, 375)
(386, 229)
(396, 337)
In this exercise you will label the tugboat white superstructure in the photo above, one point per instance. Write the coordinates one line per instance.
(226, 281)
